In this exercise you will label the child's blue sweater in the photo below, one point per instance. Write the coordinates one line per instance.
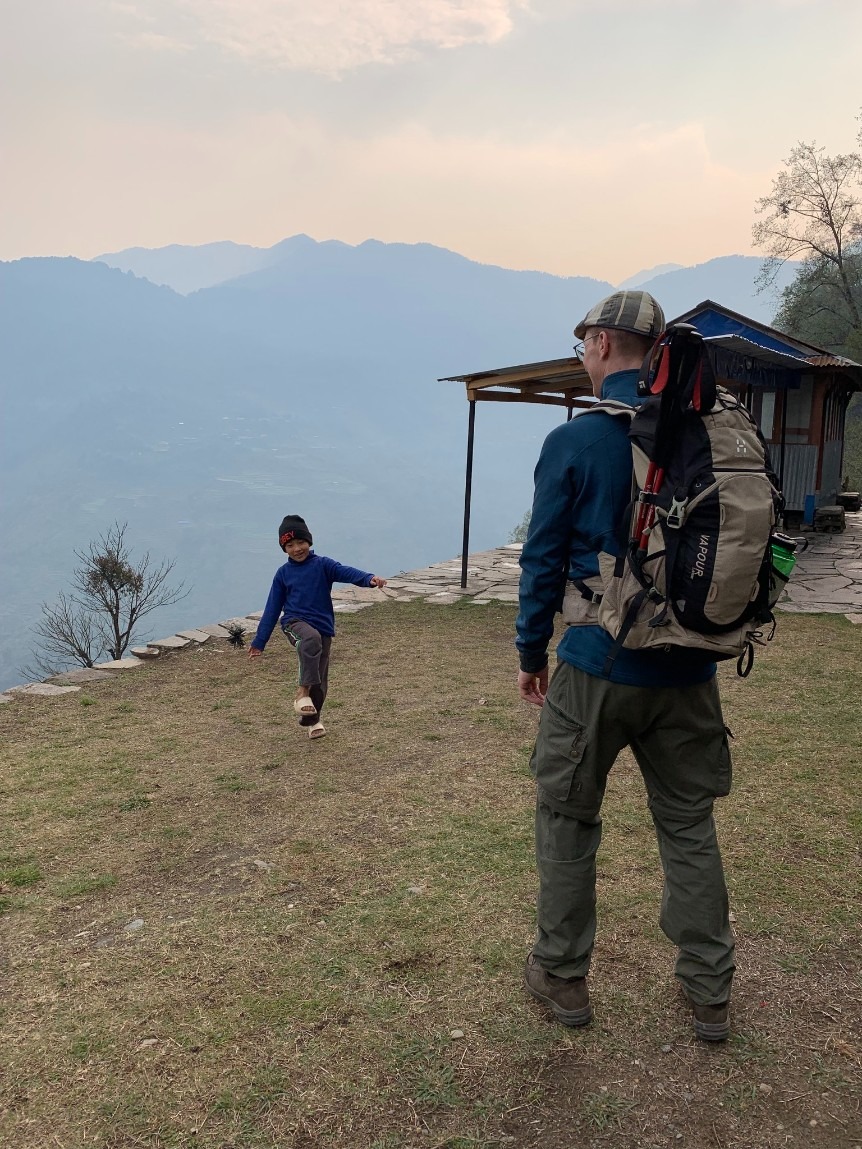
(304, 590)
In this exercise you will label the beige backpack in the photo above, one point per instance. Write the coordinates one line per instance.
(694, 568)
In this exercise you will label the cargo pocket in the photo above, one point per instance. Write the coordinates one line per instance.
(558, 753)
(724, 768)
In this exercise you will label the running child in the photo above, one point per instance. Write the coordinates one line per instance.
(302, 594)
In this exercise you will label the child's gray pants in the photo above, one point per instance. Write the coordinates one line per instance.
(313, 650)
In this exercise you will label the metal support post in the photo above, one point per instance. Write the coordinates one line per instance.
(783, 438)
(468, 490)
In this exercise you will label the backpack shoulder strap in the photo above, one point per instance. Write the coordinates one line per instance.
(611, 407)
(592, 594)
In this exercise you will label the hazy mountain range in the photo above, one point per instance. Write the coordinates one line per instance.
(729, 279)
(200, 393)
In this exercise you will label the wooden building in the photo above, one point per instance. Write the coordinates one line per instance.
(797, 392)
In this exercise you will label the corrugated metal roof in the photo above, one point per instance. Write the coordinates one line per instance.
(831, 361)
(748, 347)
(771, 332)
(813, 355)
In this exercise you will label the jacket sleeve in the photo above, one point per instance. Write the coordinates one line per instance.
(337, 572)
(273, 608)
(545, 556)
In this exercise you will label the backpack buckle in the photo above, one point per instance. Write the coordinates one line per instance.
(676, 513)
(587, 593)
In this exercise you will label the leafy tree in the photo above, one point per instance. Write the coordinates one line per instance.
(814, 309)
(518, 534)
(814, 214)
(111, 595)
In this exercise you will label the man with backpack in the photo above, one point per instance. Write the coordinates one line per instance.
(662, 702)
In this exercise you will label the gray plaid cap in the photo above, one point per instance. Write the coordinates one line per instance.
(634, 311)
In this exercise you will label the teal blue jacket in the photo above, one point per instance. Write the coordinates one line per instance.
(582, 490)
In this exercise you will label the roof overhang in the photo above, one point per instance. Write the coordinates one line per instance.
(753, 353)
(796, 356)
(565, 382)
(752, 350)
(558, 382)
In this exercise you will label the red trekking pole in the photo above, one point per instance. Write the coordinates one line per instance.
(679, 380)
(655, 473)
(646, 511)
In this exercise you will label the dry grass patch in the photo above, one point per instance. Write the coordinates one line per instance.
(217, 933)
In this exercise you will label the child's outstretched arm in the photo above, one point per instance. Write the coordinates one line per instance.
(273, 608)
(338, 572)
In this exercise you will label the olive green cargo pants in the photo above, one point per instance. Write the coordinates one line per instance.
(679, 740)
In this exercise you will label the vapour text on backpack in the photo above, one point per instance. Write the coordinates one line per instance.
(693, 568)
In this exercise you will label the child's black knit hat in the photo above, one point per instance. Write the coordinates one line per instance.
(293, 527)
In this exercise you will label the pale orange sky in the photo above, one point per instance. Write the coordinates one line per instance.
(569, 136)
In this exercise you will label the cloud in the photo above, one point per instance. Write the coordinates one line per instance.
(326, 36)
(161, 43)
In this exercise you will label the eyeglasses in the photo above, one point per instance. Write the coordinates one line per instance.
(580, 347)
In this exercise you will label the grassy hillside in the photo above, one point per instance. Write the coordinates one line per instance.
(219, 934)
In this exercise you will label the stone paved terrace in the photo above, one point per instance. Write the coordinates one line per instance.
(827, 578)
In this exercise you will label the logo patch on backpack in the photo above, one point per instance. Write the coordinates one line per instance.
(700, 563)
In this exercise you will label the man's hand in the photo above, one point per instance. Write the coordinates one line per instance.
(533, 687)
(376, 580)
(254, 653)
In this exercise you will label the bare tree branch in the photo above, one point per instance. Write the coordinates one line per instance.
(65, 633)
(111, 594)
(814, 214)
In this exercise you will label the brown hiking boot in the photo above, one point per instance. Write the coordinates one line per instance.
(711, 1022)
(568, 997)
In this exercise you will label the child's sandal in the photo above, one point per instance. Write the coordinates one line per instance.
(304, 707)
(317, 730)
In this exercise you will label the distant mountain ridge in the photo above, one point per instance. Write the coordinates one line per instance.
(304, 382)
(648, 273)
(190, 268)
(729, 279)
